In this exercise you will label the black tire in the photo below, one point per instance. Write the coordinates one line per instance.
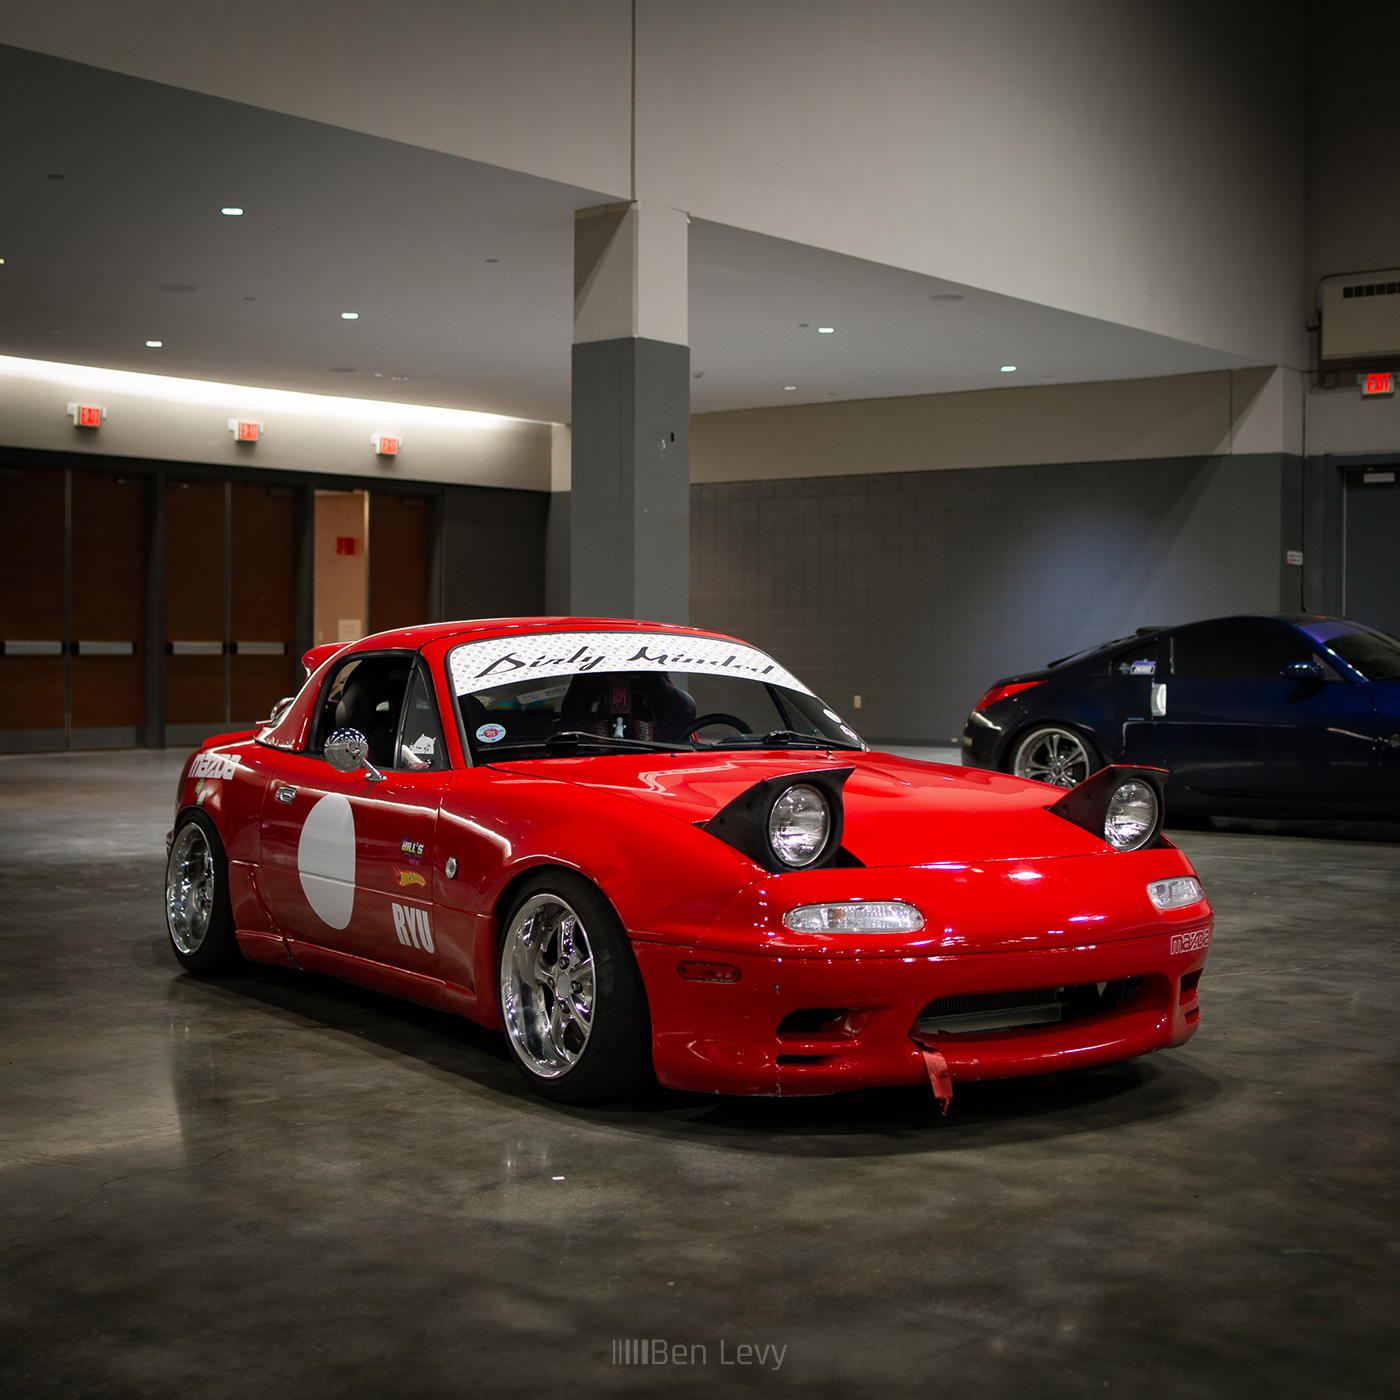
(198, 914)
(602, 1056)
(1054, 753)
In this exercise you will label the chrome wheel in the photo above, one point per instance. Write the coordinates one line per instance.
(189, 888)
(547, 985)
(1057, 756)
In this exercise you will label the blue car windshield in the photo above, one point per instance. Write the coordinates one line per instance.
(558, 694)
(1374, 654)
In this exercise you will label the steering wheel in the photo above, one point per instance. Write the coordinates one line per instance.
(718, 717)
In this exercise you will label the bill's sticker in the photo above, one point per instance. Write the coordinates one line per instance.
(214, 765)
(411, 925)
(412, 849)
(409, 877)
(491, 733)
(1190, 942)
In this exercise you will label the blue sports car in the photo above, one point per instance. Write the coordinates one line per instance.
(1279, 715)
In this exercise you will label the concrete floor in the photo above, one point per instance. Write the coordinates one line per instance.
(278, 1186)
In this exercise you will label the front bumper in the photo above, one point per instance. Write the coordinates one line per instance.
(715, 1037)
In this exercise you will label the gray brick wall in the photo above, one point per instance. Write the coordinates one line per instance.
(915, 590)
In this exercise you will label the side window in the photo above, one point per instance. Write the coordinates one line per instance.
(366, 693)
(420, 736)
(1236, 651)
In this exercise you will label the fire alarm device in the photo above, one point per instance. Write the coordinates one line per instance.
(245, 431)
(86, 415)
(1378, 383)
(385, 446)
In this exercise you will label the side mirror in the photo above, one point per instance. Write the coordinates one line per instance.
(1304, 671)
(348, 750)
(279, 709)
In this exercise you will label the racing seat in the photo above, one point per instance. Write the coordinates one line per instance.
(357, 709)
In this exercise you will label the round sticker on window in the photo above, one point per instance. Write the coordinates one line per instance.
(491, 733)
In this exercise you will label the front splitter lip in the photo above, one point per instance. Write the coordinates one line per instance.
(724, 1037)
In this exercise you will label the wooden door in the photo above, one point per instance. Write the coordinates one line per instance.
(194, 607)
(398, 561)
(109, 607)
(32, 604)
(262, 600)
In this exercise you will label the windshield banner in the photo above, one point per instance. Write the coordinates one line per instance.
(481, 665)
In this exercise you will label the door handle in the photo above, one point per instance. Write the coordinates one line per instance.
(1159, 699)
(286, 794)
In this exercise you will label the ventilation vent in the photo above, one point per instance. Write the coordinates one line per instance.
(1361, 320)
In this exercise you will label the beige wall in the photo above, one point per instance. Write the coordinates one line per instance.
(1138, 163)
(185, 420)
(1340, 420)
(1194, 415)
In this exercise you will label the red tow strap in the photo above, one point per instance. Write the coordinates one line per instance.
(940, 1077)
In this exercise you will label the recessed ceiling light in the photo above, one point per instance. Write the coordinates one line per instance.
(55, 177)
(349, 315)
(946, 296)
(233, 211)
(802, 325)
(154, 344)
(493, 259)
(1008, 369)
(826, 330)
(788, 388)
(2, 262)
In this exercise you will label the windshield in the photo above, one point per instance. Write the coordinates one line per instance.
(1374, 654)
(554, 695)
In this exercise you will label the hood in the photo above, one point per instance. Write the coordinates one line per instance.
(899, 811)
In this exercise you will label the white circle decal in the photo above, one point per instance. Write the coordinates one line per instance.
(491, 733)
(326, 860)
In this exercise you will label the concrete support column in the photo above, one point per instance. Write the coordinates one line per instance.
(629, 517)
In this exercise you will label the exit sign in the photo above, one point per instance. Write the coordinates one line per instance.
(1378, 383)
(245, 431)
(345, 544)
(86, 415)
(385, 446)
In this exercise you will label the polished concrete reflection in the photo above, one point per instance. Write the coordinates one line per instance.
(274, 1185)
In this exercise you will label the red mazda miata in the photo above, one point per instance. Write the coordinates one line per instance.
(647, 850)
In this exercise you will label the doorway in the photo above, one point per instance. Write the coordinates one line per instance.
(1372, 570)
(342, 566)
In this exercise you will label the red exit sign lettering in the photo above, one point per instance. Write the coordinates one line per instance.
(86, 415)
(1378, 383)
(345, 544)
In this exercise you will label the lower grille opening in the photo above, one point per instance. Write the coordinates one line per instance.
(811, 1020)
(803, 1059)
(978, 1013)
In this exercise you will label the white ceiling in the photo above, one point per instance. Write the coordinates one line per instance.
(461, 273)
